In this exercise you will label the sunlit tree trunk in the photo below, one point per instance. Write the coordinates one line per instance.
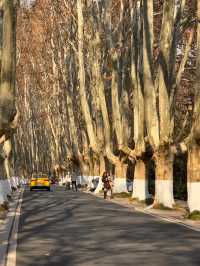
(164, 156)
(7, 93)
(82, 85)
(151, 116)
(140, 188)
(194, 145)
(159, 125)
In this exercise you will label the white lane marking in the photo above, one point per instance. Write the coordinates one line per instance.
(12, 245)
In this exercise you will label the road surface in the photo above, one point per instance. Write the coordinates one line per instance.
(61, 228)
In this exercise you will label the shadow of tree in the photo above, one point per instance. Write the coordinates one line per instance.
(69, 228)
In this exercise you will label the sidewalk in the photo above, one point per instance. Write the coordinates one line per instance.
(175, 216)
(6, 225)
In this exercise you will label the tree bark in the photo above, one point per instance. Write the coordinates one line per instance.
(164, 177)
(140, 183)
(82, 88)
(193, 183)
(193, 166)
(7, 92)
(120, 182)
(164, 80)
(151, 116)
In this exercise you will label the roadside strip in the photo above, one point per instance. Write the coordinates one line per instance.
(8, 232)
(157, 216)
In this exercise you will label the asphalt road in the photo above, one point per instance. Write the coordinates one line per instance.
(72, 228)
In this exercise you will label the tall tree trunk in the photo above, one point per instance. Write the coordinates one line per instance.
(151, 116)
(159, 126)
(164, 177)
(193, 166)
(164, 157)
(107, 130)
(140, 183)
(120, 182)
(140, 188)
(164, 79)
(7, 93)
(193, 184)
(82, 86)
(120, 167)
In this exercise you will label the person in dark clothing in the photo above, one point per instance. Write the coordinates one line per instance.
(74, 181)
(107, 186)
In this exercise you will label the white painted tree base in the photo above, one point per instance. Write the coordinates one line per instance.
(193, 196)
(89, 182)
(164, 192)
(83, 180)
(140, 189)
(120, 185)
(86, 180)
(99, 186)
(5, 190)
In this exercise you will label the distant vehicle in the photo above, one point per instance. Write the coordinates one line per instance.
(40, 181)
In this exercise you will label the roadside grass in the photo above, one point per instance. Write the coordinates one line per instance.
(178, 207)
(146, 202)
(160, 206)
(195, 215)
(133, 199)
(3, 210)
(4, 206)
(123, 195)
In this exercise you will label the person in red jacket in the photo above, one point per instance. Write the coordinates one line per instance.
(107, 185)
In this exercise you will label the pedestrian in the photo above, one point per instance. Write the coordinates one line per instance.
(68, 181)
(74, 180)
(107, 184)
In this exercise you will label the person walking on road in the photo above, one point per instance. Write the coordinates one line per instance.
(107, 184)
(74, 181)
(68, 181)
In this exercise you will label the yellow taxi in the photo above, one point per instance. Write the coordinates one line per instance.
(40, 181)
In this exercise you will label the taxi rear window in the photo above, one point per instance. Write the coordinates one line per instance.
(39, 177)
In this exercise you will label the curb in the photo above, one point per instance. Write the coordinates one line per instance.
(7, 229)
(157, 216)
(171, 220)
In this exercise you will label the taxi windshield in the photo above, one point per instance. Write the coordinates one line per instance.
(39, 176)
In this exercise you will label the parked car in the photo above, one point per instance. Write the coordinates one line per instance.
(40, 181)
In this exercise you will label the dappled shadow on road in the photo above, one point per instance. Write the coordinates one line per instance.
(66, 228)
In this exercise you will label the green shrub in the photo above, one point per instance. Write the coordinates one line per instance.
(195, 215)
